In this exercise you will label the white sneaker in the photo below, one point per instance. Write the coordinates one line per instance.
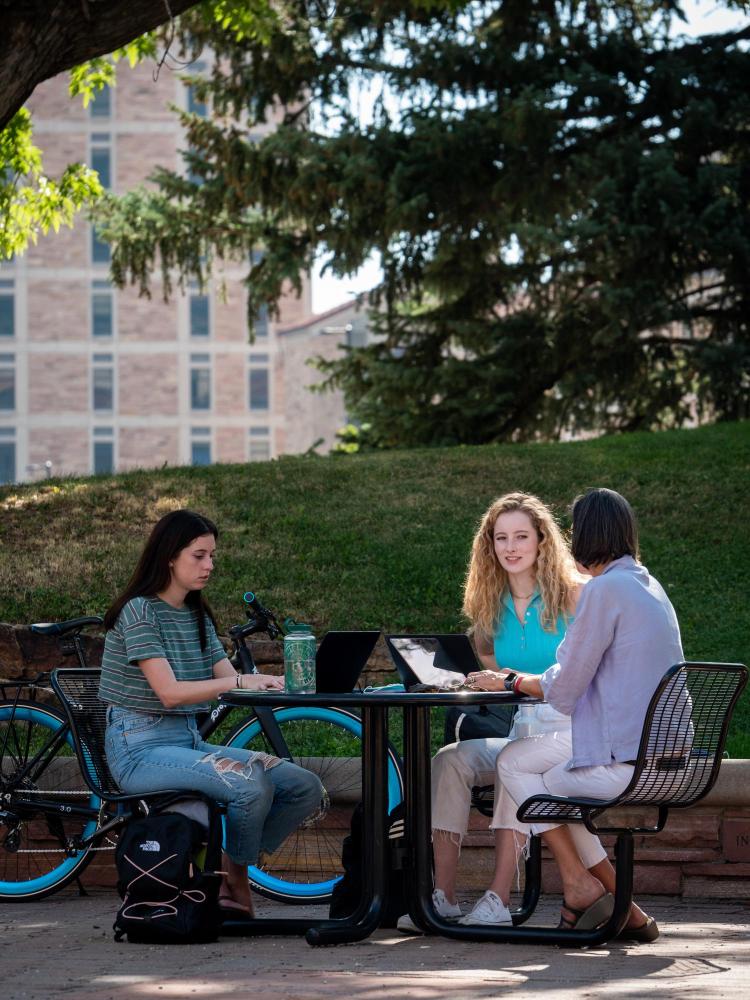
(490, 910)
(444, 909)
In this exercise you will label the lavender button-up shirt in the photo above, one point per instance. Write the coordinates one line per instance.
(624, 638)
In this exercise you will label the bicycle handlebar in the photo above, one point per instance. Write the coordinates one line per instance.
(263, 621)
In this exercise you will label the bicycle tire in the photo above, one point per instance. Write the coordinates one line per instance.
(33, 861)
(307, 866)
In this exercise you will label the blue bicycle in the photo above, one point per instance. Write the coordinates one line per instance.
(51, 824)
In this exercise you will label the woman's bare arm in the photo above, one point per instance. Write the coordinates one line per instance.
(173, 693)
(485, 649)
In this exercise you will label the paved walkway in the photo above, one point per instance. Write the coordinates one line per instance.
(63, 947)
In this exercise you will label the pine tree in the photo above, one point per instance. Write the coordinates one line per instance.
(558, 191)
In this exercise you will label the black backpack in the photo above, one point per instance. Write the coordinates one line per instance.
(347, 892)
(477, 722)
(169, 886)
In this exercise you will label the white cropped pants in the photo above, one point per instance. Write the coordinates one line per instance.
(536, 766)
(458, 767)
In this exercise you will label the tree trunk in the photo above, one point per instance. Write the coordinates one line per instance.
(39, 39)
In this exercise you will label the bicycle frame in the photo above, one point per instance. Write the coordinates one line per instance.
(265, 716)
(70, 645)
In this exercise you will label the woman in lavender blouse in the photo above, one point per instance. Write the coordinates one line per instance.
(624, 637)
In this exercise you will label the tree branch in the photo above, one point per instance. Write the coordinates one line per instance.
(39, 39)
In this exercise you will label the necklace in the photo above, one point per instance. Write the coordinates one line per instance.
(522, 597)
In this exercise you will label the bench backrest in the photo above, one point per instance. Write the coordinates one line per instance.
(78, 691)
(684, 733)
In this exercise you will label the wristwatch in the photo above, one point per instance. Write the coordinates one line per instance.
(508, 682)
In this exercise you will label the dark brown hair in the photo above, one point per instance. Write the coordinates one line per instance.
(170, 535)
(604, 528)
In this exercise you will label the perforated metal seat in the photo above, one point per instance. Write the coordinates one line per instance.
(678, 761)
(680, 752)
(78, 691)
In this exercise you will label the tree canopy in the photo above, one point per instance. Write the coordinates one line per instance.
(38, 40)
(41, 38)
(558, 190)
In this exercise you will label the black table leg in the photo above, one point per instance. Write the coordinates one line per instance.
(418, 823)
(418, 813)
(366, 918)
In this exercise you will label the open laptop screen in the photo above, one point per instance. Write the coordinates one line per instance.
(436, 660)
(341, 658)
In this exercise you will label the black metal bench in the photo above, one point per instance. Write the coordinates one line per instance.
(678, 761)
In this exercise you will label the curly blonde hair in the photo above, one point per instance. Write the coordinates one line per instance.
(487, 582)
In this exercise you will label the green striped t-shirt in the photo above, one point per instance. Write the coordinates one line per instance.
(148, 627)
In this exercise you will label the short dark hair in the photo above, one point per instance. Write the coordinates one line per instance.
(604, 528)
(173, 533)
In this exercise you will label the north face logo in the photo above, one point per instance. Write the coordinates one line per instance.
(151, 846)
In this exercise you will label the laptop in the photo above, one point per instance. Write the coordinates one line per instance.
(441, 661)
(341, 658)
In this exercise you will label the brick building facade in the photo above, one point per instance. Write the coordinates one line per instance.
(93, 379)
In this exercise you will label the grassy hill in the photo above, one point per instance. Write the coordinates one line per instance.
(382, 540)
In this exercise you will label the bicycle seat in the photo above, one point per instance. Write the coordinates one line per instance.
(62, 628)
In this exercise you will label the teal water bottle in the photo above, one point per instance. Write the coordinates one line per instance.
(299, 659)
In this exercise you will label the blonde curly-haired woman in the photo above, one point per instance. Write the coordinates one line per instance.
(520, 595)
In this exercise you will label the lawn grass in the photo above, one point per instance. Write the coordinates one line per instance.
(381, 540)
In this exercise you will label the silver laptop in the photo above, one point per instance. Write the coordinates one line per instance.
(439, 661)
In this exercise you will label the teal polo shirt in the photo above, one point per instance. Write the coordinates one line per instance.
(526, 647)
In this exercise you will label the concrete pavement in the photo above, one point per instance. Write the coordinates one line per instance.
(63, 947)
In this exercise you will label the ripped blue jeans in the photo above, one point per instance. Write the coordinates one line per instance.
(266, 798)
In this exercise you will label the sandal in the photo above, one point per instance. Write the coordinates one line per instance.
(591, 917)
(644, 934)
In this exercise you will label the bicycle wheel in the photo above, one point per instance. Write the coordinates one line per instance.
(34, 861)
(327, 741)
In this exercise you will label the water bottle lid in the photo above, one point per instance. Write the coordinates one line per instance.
(297, 628)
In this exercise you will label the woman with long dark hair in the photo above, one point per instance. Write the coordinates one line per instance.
(162, 664)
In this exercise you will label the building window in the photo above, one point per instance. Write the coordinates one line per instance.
(7, 309)
(258, 382)
(103, 383)
(100, 252)
(260, 323)
(101, 160)
(103, 451)
(104, 457)
(194, 104)
(200, 446)
(102, 303)
(7, 461)
(7, 382)
(101, 157)
(200, 452)
(101, 104)
(200, 322)
(200, 382)
(259, 447)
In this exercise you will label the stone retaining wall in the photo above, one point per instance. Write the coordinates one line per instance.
(23, 655)
(702, 852)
